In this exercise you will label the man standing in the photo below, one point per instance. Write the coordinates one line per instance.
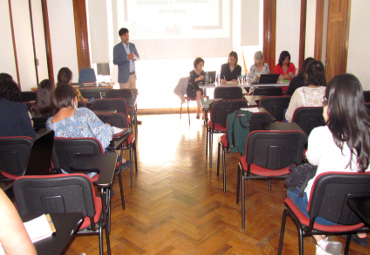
(125, 55)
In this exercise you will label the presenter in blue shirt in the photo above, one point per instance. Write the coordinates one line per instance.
(125, 55)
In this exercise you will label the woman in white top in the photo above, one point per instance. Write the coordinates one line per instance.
(342, 145)
(259, 67)
(312, 93)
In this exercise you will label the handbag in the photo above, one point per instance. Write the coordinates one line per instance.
(299, 177)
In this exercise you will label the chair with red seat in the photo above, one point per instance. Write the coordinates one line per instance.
(120, 120)
(62, 193)
(217, 123)
(328, 199)
(66, 148)
(268, 155)
(275, 105)
(23, 155)
(256, 122)
(308, 118)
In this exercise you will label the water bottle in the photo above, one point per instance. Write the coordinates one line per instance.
(207, 79)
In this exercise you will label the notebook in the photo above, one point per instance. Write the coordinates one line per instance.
(269, 78)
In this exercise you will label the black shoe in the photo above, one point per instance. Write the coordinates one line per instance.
(126, 165)
(357, 240)
(360, 241)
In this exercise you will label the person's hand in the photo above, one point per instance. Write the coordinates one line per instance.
(201, 78)
(223, 81)
(290, 75)
(257, 78)
(131, 56)
(107, 124)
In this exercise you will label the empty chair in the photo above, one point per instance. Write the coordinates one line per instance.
(308, 118)
(367, 96)
(67, 148)
(120, 120)
(257, 120)
(328, 199)
(25, 156)
(27, 96)
(233, 92)
(115, 104)
(90, 93)
(267, 91)
(268, 155)
(120, 93)
(87, 75)
(62, 193)
(275, 105)
(217, 123)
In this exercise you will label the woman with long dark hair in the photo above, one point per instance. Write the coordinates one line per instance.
(44, 106)
(231, 70)
(284, 67)
(298, 81)
(342, 145)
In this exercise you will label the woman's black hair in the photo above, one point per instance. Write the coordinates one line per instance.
(235, 55)
(64, 95)
(304, 66)
(315, 74)
(64, 75)
(197, 61)
(348, 120)
(44, 106)
(9, 90)
(5, 76)
(283, 56)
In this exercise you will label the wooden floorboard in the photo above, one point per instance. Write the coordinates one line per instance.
(177, 205)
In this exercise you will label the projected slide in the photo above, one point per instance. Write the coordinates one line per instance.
(197, 26)
(169, 19)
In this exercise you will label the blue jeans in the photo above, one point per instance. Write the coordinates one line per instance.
(302, 202)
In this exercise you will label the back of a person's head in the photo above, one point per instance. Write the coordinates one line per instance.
(44, 98)
(348, 118)
(5, 76)
(63, 96)
(9, 90)
(305, 63)
(315, 74)
(64, 75)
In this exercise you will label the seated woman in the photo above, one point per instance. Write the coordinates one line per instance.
(14, 116)
(342, 145)
(231, 70)
(298, 81)
(65, 77)
(196, 77)
(313, 91)
(71, 121)
(44, 106)
(13, 236)
(259, 67)
(285, 68)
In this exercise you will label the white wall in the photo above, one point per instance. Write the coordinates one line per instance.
(359, 39)
(310, 29)
(287, 28)
(63, 38)
(23, 38)
(7, 61)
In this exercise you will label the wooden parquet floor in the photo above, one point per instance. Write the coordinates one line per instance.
(177, 205)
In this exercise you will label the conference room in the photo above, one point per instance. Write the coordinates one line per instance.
(174, 196)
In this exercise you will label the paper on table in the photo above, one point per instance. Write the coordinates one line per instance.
(40, 228)
(251, 109)
(118, 132)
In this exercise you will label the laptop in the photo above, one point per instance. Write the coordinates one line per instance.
(212, 76)
(269, 78)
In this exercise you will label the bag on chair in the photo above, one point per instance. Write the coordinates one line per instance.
(299, 177)
(238, 130)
